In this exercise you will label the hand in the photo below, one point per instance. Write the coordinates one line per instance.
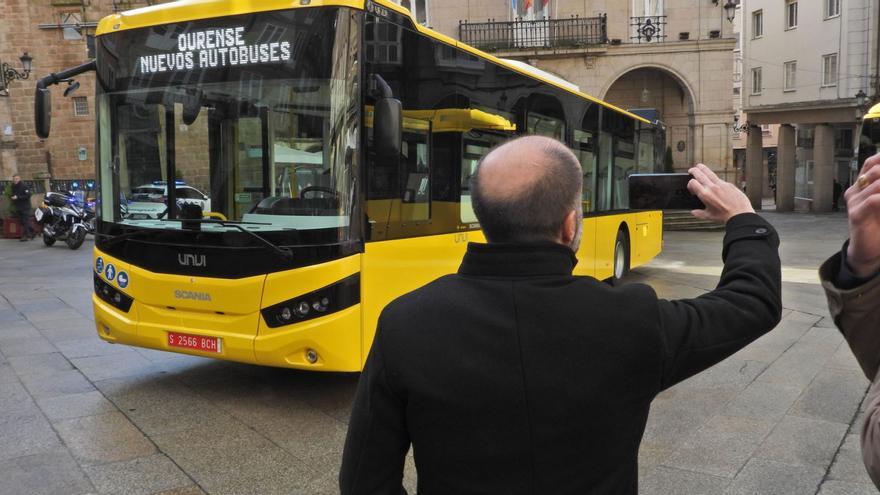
(863, 204)
(723, 200)
(14, 197)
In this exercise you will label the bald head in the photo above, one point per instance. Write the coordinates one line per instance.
(524, 189)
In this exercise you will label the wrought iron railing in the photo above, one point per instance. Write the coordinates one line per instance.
(648, 29)
(542, 33)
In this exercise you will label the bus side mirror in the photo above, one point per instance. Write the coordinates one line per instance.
(43, 112)
(387, 127)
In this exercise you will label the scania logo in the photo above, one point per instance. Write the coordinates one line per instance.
(195, 296)
(192, 259)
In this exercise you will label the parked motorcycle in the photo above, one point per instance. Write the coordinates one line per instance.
(62, 218)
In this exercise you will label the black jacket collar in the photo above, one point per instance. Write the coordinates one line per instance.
(517, 260)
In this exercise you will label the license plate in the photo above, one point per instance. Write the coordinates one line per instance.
(195, 342)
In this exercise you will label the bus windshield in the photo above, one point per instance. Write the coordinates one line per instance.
(250, 119)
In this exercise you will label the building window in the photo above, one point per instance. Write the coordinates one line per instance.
(832, 8)
(791, 14)
(790, 71)
(80, 106)
(757, 24)
(756, 81)
(829, 70)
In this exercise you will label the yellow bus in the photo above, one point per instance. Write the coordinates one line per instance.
(272, 174)
(869, 139)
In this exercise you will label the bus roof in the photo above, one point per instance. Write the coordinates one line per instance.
(190, 10)
(873, 113)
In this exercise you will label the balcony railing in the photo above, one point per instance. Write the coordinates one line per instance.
(542, 33)
(648, 29)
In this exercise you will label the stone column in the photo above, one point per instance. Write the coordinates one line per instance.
(785, 168)
(823, 168)
(755, 166)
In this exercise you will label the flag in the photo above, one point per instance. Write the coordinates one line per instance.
(513, 5)
(544, 4)
(527, 6)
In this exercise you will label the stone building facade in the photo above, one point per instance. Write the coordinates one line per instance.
(810, 67)
(56, 34)
(680, 66)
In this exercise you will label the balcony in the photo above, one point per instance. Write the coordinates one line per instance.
(648, 29)
(575, 32)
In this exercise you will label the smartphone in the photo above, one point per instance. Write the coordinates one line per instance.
(662, 192)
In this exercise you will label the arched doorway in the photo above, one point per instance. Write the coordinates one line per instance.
(659, 89)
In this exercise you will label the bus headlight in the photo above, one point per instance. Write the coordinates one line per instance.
(326, 300)
(111, 295)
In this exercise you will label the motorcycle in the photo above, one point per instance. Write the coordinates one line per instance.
(62, 218)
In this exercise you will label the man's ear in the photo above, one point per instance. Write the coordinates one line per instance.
(569, 228)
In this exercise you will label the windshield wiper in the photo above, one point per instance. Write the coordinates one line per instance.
(285, 253)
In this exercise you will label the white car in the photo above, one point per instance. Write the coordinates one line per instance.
(150, 201)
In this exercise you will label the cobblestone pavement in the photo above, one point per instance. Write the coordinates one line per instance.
(81, 416)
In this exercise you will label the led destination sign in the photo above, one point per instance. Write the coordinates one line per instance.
(213, 48)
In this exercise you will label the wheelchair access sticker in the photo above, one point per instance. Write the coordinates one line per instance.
(99, 265)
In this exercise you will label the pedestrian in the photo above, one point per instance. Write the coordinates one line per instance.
(21, 200)
(515, 377)
(851, 279)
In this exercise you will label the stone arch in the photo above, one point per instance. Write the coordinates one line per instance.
(670, 93)
(677, 76)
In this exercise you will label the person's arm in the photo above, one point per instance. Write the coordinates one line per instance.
(746, 303)
(377, 439)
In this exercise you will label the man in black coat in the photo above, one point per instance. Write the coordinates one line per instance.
(21, 200)
(515, 377)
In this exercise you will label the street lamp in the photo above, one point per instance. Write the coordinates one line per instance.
(730, 10)
(9, 74)
(861, 98)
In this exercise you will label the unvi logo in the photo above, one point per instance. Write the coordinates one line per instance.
(197, 260)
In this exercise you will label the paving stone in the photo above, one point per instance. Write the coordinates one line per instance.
(17, 331)
(847, 488)
(9, 314)
(75, 405)
(844, 359)
(733, 372)
(799, 364)
(187, 490)
(803, 442)
(103, 438)
(848, 464)
(307, 434)
(40, 364)
(233, 458)
(765, 401)
(834, 395)
(721, 447)
(64, 313)
(667, 481)
(114, 365)
(766, 477)
(169, 409)
(141, 476)
(770, 346)
(90, 346)
(60, 383)
(26, 347)
(51, 473)
(27, 436)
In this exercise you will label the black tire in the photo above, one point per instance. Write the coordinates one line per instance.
(621, 256)
(48, 240)
(75, 239)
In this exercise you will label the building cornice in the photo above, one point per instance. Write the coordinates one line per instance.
(723, 44)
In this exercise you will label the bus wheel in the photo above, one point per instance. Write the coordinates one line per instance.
(621, 255)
